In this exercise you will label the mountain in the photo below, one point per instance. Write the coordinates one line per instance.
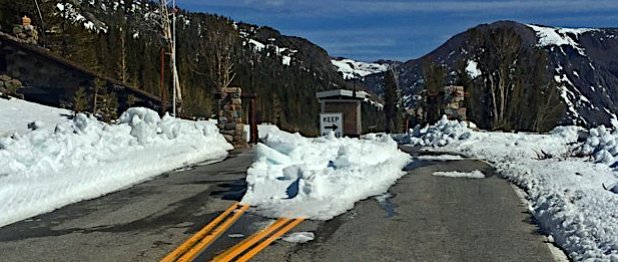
(353, 70)
(581, 64)
(121, 39)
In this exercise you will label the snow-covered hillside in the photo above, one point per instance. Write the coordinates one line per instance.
(578, 71)
(351, 69)
(65, 161)
(556, 36)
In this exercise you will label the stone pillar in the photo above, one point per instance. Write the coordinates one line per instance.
(26, 31)
(230, 121)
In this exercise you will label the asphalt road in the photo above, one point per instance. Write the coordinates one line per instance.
(427, 218)
(141, 223)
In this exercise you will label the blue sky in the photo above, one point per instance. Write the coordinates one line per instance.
(369, 30)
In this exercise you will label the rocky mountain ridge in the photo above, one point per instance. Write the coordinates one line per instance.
(582, 62)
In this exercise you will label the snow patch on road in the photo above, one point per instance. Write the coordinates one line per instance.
(473, 174)
(320, 178)
(299, 237)
(445, 157)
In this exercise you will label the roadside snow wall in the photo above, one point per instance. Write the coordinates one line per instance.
(79, 159)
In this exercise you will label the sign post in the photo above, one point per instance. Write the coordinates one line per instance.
(331, 122)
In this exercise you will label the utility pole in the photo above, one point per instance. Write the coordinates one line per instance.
(174, 72)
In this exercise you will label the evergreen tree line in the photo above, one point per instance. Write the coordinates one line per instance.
(210, 55)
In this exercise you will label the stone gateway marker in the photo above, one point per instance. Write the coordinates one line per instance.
(331, 122)
(230, 121)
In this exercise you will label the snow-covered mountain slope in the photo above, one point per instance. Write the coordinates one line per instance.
(584, 66)
(582, 62)
(351, 69)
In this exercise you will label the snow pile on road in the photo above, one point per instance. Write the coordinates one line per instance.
(83, 158)
(567, 191)
(319, 178)
(441, 157)
(15, 114)
(473, 174)
(299, 237)
(440, 134)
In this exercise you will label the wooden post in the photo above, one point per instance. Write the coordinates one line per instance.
(162, 89)
(254, 129)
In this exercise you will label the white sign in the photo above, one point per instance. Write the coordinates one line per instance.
(331, 122)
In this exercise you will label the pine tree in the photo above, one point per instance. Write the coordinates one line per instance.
(391, 101)
(80, 102)
(276, 109)
(434, 76)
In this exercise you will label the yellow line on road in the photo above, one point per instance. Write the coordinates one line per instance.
(208, 239)
(267, 242)
(199, 235)
(250, 241)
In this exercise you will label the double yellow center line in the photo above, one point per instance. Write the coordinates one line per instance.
(242, 251)
(251, 246)
(202, 239)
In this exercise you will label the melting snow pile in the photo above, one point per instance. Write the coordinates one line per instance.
(440, 134)
(319, 178)
(299, 237)
(473, 174)
(83, 158)
(601, 144)
(570, 193)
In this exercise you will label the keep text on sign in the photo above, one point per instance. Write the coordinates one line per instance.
(331, 122)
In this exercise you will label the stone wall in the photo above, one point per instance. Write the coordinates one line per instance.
(230, 121)
(49, 79)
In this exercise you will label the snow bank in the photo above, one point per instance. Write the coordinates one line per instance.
(83, 158)
(15, 114)
(473, 174)
(319, 178)
(567, 194)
